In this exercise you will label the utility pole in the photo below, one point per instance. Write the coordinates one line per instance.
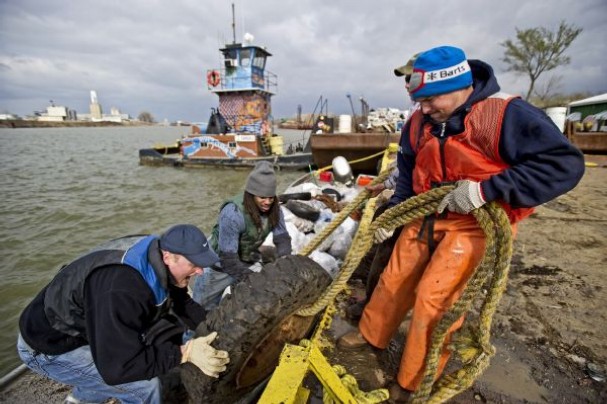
(364, 109)
(233, 25)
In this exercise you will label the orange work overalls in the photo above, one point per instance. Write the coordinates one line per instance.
(430, 282)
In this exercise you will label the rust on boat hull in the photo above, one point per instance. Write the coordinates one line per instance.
(590, 142)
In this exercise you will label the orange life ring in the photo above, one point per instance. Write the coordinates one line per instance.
(213, 78)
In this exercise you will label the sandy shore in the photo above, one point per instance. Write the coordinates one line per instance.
(550, 330)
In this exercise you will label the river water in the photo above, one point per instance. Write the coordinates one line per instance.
(65, 190)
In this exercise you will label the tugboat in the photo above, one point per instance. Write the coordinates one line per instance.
(239, 131)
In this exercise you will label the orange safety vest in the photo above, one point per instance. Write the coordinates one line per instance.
(470, 155)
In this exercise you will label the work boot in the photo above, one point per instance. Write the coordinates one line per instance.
(352, 340)
(398, 394)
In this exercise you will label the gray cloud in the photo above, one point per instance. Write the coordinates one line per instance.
(152, 55)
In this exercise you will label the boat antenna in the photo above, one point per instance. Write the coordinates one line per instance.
(233, 25)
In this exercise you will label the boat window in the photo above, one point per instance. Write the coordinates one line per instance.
(260, 61)
(204, 145)
(245, 57)
(232, 145)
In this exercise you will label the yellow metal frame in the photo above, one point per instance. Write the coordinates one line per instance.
(286, 384)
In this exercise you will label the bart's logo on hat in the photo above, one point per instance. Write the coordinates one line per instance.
(439, 71)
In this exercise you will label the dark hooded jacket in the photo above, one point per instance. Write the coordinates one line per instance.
(100, 301)
(543, 163)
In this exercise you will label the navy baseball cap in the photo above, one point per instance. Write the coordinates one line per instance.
(189, 241)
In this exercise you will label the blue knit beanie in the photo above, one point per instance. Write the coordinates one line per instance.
(438, 71)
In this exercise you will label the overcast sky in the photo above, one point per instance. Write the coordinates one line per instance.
(152, 55)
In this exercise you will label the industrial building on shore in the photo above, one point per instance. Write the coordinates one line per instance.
(58, 113)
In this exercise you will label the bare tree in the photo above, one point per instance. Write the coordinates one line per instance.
(545, 92)
(538, 50)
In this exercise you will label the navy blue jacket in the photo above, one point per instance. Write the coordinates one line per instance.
(543, 163)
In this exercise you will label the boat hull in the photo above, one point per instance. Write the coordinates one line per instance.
(295, 161)
(352, 146)
(590, 142)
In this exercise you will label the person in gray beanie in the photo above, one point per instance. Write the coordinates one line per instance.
(244, 223)
(262, 180)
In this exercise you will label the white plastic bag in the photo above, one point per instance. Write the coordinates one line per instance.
(326, 261)
(298, 239)
(341, 245)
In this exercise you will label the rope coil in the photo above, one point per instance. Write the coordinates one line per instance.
(472, 344)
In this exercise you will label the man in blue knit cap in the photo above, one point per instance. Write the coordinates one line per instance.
(492, 147)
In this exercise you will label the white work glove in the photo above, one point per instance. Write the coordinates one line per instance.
(209, 360)
(382, 235)
(256, 267)
(466, 197)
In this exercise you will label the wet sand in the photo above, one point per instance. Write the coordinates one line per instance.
(550, 330)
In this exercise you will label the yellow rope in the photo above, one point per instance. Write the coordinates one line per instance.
(473, 345)
(339, 283)
(330, 166)
(476, 350)
(495, 264)
(341, 216)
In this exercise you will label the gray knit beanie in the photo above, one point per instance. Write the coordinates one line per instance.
(262, 180)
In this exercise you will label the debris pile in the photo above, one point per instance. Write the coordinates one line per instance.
(388, 120)
(308, 208)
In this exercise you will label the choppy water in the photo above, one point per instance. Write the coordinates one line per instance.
(65, 190)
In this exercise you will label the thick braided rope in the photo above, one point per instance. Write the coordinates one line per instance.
(339, 283)
(419, 207)
(495, 260)
(404, 212)
(411, 209)
(500, 275)
(460, 307)
(363, 240)
(341, 216)
(475, 347)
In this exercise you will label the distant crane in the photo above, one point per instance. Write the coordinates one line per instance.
(351, 106)
(364, 109)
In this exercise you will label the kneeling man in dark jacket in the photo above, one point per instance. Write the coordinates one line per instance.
(112, 321)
